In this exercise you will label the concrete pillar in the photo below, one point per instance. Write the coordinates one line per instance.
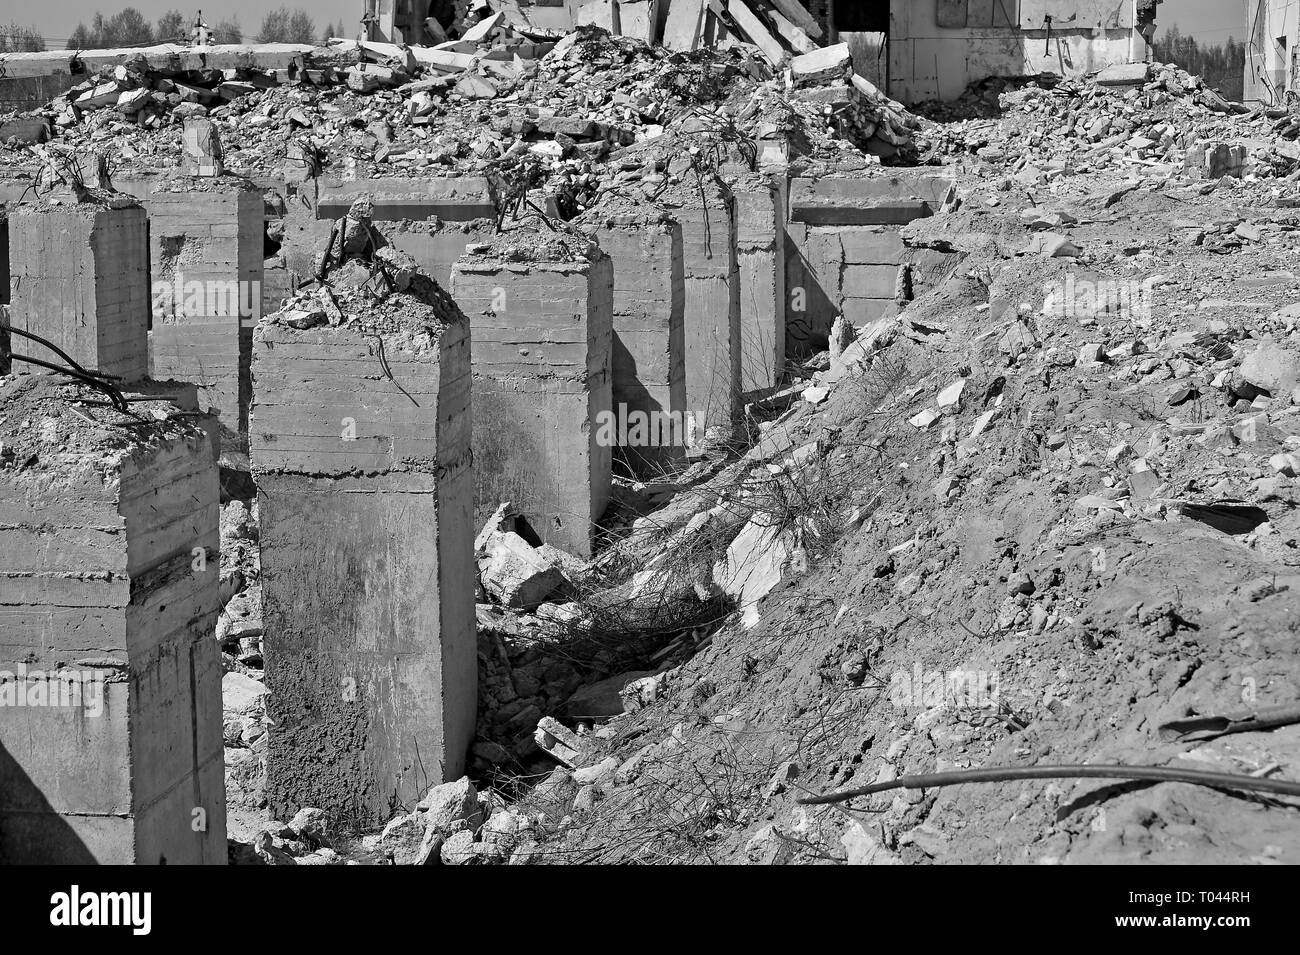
(712, 309)
(206, 239)
(366, 490)
(760, 256)
(647, 359)
(541, 332)
(108, 580)
(79, 276)
(4, 288)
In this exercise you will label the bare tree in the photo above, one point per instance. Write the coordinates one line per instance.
(125, 28)
(171, 28)
(18, 39)
(228, 31)
(281, 26)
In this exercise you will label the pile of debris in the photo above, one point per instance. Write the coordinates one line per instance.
(499, 93)
(1128, 116)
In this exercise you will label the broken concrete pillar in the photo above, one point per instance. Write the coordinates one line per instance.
(647, 360)
(360, 448)
(541, 312)
(206, 244)
(110, 680)
(712, 310)
(760, 257)
(79, 276)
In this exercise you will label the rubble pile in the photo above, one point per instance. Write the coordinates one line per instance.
(1137, 117)
(492, 101)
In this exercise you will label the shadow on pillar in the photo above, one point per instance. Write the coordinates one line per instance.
(32, 832)
(807, 328)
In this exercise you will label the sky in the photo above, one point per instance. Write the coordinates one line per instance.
(56, 19)
(1211, 21)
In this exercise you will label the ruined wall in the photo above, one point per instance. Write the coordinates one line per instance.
(110, 568)
(206, 238)
(1272, 31)
(541, 380)
(79, 276)
(365, 495)
(937, 47)
(845, 252)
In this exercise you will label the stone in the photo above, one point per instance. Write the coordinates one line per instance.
(243, 709)
(459, 849)
(402, 838)
(311, 825)
(559, 742)
(826, 65)
(864, 849)
(597, 774)
(512, 570)
(950, 397)
(602, 699)
(1124, 74)
(1273, 367)
(450, 803)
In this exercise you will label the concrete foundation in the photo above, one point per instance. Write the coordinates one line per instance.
(647, 359)
(206, 239)
(844, 251)
(79, 276)
(541, 328)
(365, 488)
(108, 587)
(712, 308)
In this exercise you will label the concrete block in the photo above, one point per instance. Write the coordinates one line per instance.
(366, 485)
(79, 276)
(541, 386)
(880, 200)
(109, 577)
(206, 255)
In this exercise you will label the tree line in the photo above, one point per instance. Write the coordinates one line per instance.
(1222, 66)
(129, 27)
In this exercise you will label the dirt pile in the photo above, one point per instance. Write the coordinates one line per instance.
(1046, 515)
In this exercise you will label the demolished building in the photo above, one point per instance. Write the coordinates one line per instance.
(473, 279)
